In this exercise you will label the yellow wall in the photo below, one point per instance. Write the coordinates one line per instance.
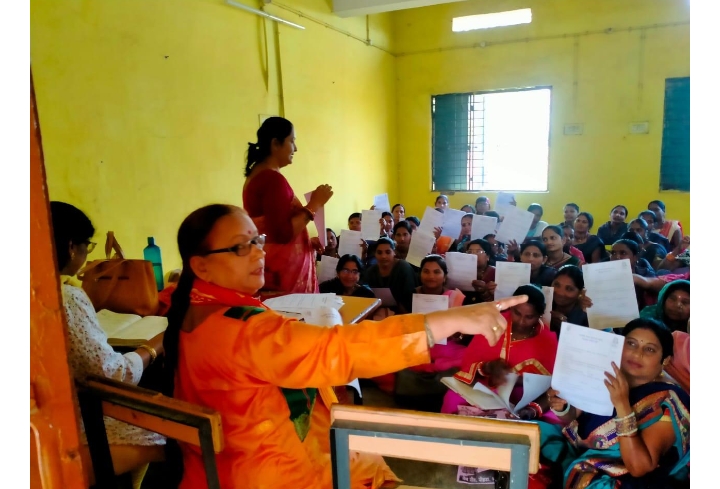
(619, 79)
(146, 107)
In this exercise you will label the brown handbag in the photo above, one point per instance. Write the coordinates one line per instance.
(120, 285)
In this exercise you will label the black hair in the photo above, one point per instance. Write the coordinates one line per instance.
(573, 205)
(386, 213)
(535, 297)
(589, 218)
(413, 219)
(536, 243)
(663, 333)
(555, 229)
(402, 225)
(659, 203)
(533, 207)
(468, 214)
(487, 247)
(346, 258)
(470, 206)
(435, 259)
(274, 128)
(632, 236)
(491, 214)
(355, 215)
(442, 195)
(398, 205)
(574, 273)
(69, 225)
(331, 231)
(623, 207)
(482, 199)
(191, 237)
(640, 221)
(385, 240)
(630, 244)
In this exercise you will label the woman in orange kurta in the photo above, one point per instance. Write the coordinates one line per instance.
(271, 377)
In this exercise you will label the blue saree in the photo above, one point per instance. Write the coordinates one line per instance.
(588, 449)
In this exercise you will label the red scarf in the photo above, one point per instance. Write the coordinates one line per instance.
(204, 293)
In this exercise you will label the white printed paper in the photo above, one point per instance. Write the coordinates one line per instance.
(462, 270)
(319, 222)
(611, 287)
(431, 219)
(350, 243)
(327, 269)
(371, 225)
(292, 302)
(515, 225)
(381, 203)
(427, 303)
(452, 223)
(482, 226)
(509, 276)
(421, 245)
(583, 357)
(548, 292)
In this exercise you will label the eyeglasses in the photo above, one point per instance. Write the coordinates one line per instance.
(90, 246)
(241, 249)
(476, 252)
(351, 271)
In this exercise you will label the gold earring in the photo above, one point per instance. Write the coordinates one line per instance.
(72, 256)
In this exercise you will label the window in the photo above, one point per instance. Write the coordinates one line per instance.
(488, 21)
(675, 156)
(491, 141)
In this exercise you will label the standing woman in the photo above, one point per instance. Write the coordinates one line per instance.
(279, 214)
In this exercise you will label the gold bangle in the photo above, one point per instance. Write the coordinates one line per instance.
(428, 333)
(151, 351)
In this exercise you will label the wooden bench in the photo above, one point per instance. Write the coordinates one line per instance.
(179, 420)
(511, 446)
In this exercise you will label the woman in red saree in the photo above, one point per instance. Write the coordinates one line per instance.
(279, 214)
(528, 346)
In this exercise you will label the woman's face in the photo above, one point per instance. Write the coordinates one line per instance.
(570, 213)
(388, 225)
(398, 213)
(569, 233)
(552, 240)
(636, 227)
(432, 276)
(649, 219)
(534, 257)
(618, 215)
(659, 213)
(78, 257)
(582, 225)
(349, 274)
(482, 207)
(524, 316)
(402, 239)
(441, 203)
(246, 273)
(331, 240)
(467, 209)
(482, 257)
(285, 151)
(565, 292)
(642, 356)
(355, 224)
(413, 225)
(677, 306)
(621, 251)
(466, 224)
(384, 254)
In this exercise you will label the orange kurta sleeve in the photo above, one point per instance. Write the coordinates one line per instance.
(292, 354)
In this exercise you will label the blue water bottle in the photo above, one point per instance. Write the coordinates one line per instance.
(152, 254)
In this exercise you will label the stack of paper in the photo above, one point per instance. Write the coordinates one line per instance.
(318, 309)
(480, 395)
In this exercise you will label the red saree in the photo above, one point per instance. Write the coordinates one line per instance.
(289, 259)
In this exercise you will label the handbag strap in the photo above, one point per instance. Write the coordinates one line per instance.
(111, 243)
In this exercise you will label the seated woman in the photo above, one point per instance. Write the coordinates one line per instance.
(442, 202)
(398, 212)
(465, 233)
(630, 249)
(569, 234)
(645, 443)
(649, 217)
(527, 347)
(569, 299)
(554, 240)
(467, 208)
(613, 230)
(389, 272)
(672, 230)
(538, 225)
(131, 448)
(332, 245)
(654, 253)
(592, 247)
(678, 260)
(414, 222)
(386, 225)
(673, 306)
(484, 286)
(419, 387)
(679, 366)
(499, 251)
(349, 268)
(535, 253)
(225, 350)
(482, 205)
(570, 213)
(402, 232)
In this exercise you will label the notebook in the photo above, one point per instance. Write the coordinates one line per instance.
(130, 330)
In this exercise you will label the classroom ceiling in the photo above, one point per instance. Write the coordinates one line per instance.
(353, 8)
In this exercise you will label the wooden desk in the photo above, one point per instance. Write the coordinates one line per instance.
(356, 309)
